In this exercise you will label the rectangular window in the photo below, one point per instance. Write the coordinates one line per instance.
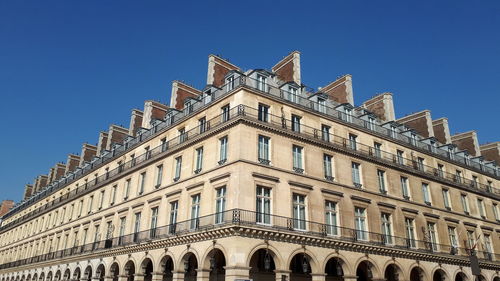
(360, 223)
(495, 212)
(263, 205)
(465, 203)
(471, 241)
(356, 174)
(91, 201)
(127, 189)
(381, 181)
(327, 167)
(386, 228)
(413, 139)
(174, 206)
(202, 124)
(195, 211)
(230, 82)
(321, 105)
(292, 94)
(137, 226)
(404, 188)
(325, 133)
(431, 227)
(458, 176)
(122, 230)
(393, 132)
(410, 232)
(480, 207)
(331, 218)
(487, 247)
(220, 205)
(142, 179)
(440, 170)
(81, 208)
(426, 194)
(225, 113)
(452, 233)
(199, 160)
(371, 123)
(297, 159)
(446, 198)
(223, 150)
(474, 181)
(263, 150)
(154, 222)
(348, 114)
(352, 141)
(263, 112)
(109, 230)
(112, 198)
(299, 211)
(159, 175)
(182, 135)
(262, 83)
(296, 123)
(400, 157)
(101, 199)
(420, 163)
(178, 167)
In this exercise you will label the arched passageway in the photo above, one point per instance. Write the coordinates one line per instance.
(87, 274)
(35, 277)
(77, 274)
(300, 268)
(114, 271)
(461, 277)
(100, 272)
(167, 268)
(334, 270)
(49, 276)
(129, 270)
(57, 277)
(392, 273)
(217, 263)
(416, 274)
(262, 266)
(67, 275)
(42, 276)
(439, 275)
(364, 271)
(190, 267)
(147, 269)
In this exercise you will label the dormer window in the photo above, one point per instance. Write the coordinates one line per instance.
(348, 114)
(188, 107)
(321, 105)
(169, 118)
(371, 123)
(230, 82)
(451, 155)
(292, 94)
(433, 146)
(262, 83)
(413, 139)
(393, 132)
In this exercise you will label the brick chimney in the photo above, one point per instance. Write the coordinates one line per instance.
(288, 69)
(491, 151)
(116, 134)
(135, 122)
(381, 105)
(60, 169)
(50, 176)
(72, 163)
(40, 182)
(467, 141)
(88, 153)
(217, 69)
(6, 206)
(181, 91)
(153, 110)
(28, 191)
(441, 130)
(340, 90)
(420, 122)
(102, 143)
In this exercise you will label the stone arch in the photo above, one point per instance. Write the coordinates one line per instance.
(114, 271)
(313, 261)
(460, 276)
(262, 265)
(334, 269)
(87, 273)
(393, 272)
(417, 273)
(42, 276)
(166, 266)
(206, 256)
(346, 267)
(57, 276)
(67, 275)
(49, 276)
(366, 270)
(496, 278)
(28, 278)
(189, 265)
(146, 268)
(129, 270)
(77, 274)
(100, 272)
(215, 262)
(34, 277)
(371, 266)
(278, 260)
(439, 274)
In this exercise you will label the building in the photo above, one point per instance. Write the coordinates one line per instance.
(259, 177)
(5, 206)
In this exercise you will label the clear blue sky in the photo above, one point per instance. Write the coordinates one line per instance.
(69, 69)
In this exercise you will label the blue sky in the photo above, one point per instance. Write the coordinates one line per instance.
(69, 69)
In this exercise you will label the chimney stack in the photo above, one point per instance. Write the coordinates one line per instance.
(288, 69)
(135, 122)
(441, 130)
(181, 91)
(217, 69)
(88, 153)
(381, 105)
(28, 191)
(340, 90)
(467, 141)
(420, 122)
(491, 151)
(153, 110)
(116, 134)
(102, 143)
(40, 182)
(72, 163)
(6, 206)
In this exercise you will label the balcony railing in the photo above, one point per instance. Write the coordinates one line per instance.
(253, 219)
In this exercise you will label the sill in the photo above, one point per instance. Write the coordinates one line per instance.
(197, 171)
(176, 179)
(406, 198)
(383, 192)
(157, 186)
(483, 217)
(467, 213)
(329, 178)
(125, 198)
(428, 203)
(264, 161)
(358, 185)
(221, 162)
(298, 170)
(448, 208)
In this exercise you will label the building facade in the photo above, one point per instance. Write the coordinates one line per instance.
(258, 177)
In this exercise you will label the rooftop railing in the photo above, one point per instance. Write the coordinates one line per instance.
(240, 217)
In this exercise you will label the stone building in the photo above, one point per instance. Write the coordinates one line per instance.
(258, 177)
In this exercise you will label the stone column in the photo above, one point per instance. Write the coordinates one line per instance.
(122, 277)
(202, 274)
(108, 278)
(281, 273)
(237, 272)
(350, 278)
(138, 277)
(157, 276)
(318, 276)
(178, 276)
(378, 279)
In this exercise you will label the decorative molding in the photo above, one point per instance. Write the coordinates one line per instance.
(195, 185)
(266, 177)
(408, 210)
(361, 199)
(173, 193)
(219, 177)
(451, 220)
(387, 205)
(301, 185)
(470, 224)
(332, 192)
(431, 215)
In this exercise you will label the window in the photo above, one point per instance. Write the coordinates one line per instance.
(101, 199)
(263, 112)
(360, 223)
(263, 205)
(127, 189)
(325, 133)
(480, 207)
(154, 222)
(452, 233)
(174, 206)
(393, 132)
(178, 167)
(230, 82)
(159, 175)
(458, 176)
(487, 247)
(122, 229)
(195, 211)
(465, 203)
(81, 209)
(137, 226)
(348, 114)
(470, 239)
(386, 228)
(292, 94)
(426, 194)
(164, 144)
(331, 218)
(495, 212)
(431, 228)
(381, 181)
(400, 157)
(188, 107)
(264, 150)
(356, 176)
(404, 188)
(420, 163)
(225, 113)
(446, 198)
(377, 149)
(297, 159)
(474, 181)
(147, 152)
(91, 200)
(96, 234)
(321, 105)
(440, 170)
(327, 167)
(352, 141)
(413, 139)
(489, 186)
(112, 198)
(371, 123)
(142, 179)
(182, 135)
(262, 82)
(199, 160)
(299, 211)
(451, 155)
(109, 230)
(223, 150)
(202, 124)
(220, 205)
(296, 123)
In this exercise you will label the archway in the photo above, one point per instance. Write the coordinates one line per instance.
(100, 272)
(416, 274)
(28, 278)
(87, 274)
(439, 275)
(392, 273)
(129, 270)
(67, 275)
(57, 277)
(35, 277)
(334, 270)
(364, 271)
(496, 278)
(167, 268)
(147, 269)
(114, 271)
(42, 276)
(190, 266)
(49, 276)
(300, 268)
(461, 277)
(262, 265)
(216, 262)
(77, 274)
